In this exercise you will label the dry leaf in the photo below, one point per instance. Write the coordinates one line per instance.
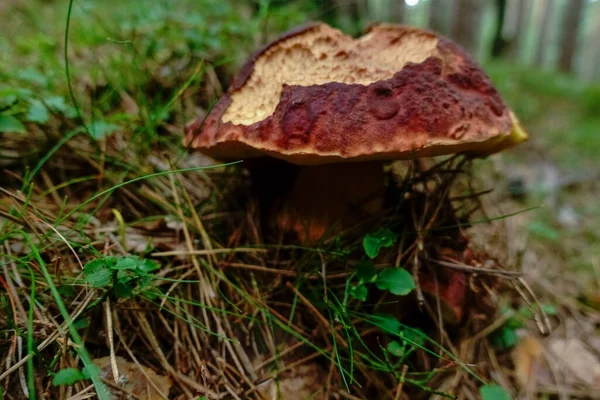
(526, 357)
(133, 381)
(303, 383)
(580, 363)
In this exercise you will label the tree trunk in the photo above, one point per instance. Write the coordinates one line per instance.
(438, 15)
(499, 43)
(466, 27)
(543, 40)
(397, 11)
(514, 45)
(349, 16)
(569, 33)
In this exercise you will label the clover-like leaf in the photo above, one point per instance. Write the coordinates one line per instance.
(397, 280)
(373, 242)
(8, 123)
(146, 266)
(395, 348)
(385, 322)
(365, 271)
(126, 263)
(97, 273)
(359, 292)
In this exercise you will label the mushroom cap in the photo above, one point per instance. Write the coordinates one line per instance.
(316, 96)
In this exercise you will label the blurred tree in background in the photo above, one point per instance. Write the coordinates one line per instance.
(560, 35)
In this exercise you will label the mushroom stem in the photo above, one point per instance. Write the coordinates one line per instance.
(330, 197)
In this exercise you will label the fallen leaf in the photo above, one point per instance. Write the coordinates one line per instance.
(526, 356)
(133, 381)
(303, 383)
(576, 361)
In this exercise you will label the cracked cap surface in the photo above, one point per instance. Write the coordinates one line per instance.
(316, 96)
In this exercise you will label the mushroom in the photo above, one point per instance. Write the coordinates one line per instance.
(339, 107)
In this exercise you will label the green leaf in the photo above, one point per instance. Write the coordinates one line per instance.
(359, 292)
(81, 323)
(32, 75)
(67, 376)
(11, 124)
(97, 273)
(126, 263)
(66, 290)
(386, 323)
(395, 348)
(101, 129)
(146, 266)
(397, 280)
(493, 392)
(365, 271)
(89, 370)
(504, 338)
(412, 336)
(58, 104)
(373, 242)
(124, 287)
(7, 101)
(38, 112)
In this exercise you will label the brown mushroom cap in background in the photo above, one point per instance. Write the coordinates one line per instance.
(316, 96)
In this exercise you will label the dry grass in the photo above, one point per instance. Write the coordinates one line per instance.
(227, 314)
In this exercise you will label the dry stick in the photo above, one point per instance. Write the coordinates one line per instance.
(545, 318)
(145, 326)
(438, 303)
(15, 300)
(80, 394)
(259, 268)
(324, 275)
(188, 240)
(316, 312)
(320, 317)
(206, 252)
(50, 339)
(63, 239)
(49, 184)
(468, 268)
(273, 375)
(348, 396)
(134, 359)
(206, 242)
(399, 389)
(111, 341)
(284, 272)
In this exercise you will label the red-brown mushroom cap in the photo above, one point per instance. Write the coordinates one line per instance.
(316, 96)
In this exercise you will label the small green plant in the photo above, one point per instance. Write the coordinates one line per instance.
(397, 281)
(506, 337)
(122, 275)
(373, 242)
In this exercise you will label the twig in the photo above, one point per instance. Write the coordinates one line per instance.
(468, 268)
(206, 252)
(399, 389)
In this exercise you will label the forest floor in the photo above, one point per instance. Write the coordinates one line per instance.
(121, 249)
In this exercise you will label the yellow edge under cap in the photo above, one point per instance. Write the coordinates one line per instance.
(496, 144)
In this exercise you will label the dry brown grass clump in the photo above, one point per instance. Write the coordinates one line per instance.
(236, 311)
